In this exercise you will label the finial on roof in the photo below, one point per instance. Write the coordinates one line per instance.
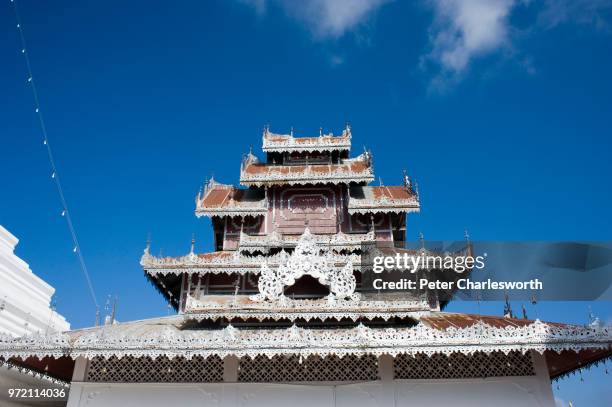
(320, 131)
(416, 189)
(148, 243)
(422, 240)
(97, 323)
(407, 181)
(380, 181)
(466, 235)
(507, 307)
(192, 243)
(524, 311)
(291, 131)
(347, 127)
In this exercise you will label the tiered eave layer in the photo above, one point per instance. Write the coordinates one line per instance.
(437, 333)
(382, 199)
(354, 171)
(281, 143)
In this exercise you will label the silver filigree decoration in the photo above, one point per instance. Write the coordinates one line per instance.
(307, 259)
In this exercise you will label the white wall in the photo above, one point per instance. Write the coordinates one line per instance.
(498, 392)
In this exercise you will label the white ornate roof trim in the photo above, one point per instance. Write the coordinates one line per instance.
(287, 143)
(382, 204)
(157, 339)
(236, 211)
(237, 307)
(235, 262)
(229, 208)
(292, 316)
(343, 174)
(275, 239)
(377, 209)
(307, 178)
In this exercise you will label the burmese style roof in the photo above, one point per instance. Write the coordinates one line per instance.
(382, 199)
(226, 200)
(354, 170)
(281, 143)
(432, 333)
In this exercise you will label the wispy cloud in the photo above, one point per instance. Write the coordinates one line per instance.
(324, 19)
(463, 30)
(596, 13)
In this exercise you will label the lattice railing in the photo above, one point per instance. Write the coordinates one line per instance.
(460, 366)
(311, 369)
(161, 370)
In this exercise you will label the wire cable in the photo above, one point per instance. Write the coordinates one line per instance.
(54, 173)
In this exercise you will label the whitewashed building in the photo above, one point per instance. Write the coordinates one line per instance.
(25, 309)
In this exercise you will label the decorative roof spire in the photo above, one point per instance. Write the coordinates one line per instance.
(148, 243)
(192, 243)
(407, 181)
(508, 308)
(320, 131)
(291, 131)
(422, 240)
(466, 235)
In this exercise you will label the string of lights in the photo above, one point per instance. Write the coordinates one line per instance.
(54, 173)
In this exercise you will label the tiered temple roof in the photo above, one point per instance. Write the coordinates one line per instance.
(287, 279)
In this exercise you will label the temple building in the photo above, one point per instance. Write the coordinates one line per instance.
(281, 310)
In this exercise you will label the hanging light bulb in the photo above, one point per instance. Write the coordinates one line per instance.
(64, 212)
(29, 79)
(45, 141)
(75, 249)
(36, 110)
(53, 174)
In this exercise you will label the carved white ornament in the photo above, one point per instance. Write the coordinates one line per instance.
(339, 240)
(338, 173)
(307, 259)
(307, 309)
(287, 143)
(161, 337)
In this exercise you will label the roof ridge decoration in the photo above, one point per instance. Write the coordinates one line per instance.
(223, 262)
(154, 341)
(273, 142)
(306, 260)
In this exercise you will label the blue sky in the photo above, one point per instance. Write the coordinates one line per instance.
(500, 109)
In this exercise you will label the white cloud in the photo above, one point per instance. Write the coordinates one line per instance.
(325, 19)
(465, 29)
(591, 12)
